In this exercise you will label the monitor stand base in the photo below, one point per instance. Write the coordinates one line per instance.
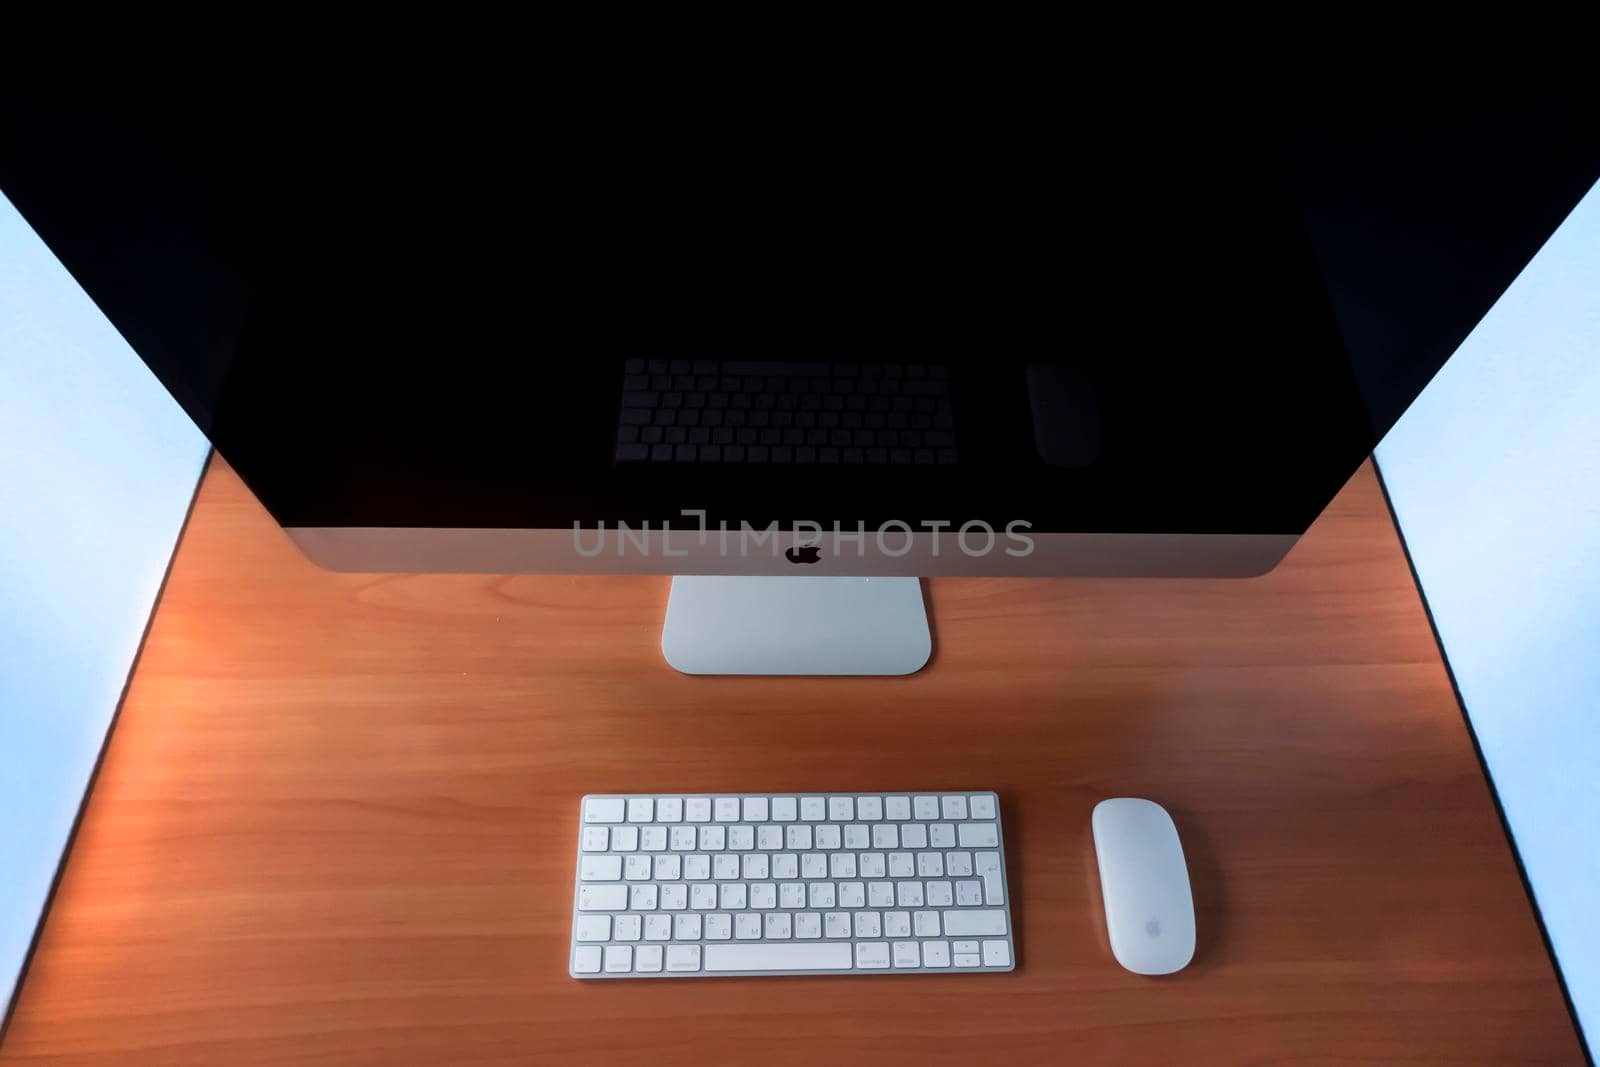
(777, 625)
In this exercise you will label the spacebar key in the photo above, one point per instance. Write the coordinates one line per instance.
(826, 957)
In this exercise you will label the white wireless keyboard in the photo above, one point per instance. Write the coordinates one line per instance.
(691, 885)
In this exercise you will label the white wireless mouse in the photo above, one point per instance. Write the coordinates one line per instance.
(1145, 883)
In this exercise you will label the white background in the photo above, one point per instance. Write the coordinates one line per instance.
(97, 465)
(1495, 477)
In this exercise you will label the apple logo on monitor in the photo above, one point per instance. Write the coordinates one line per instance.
(803, 554)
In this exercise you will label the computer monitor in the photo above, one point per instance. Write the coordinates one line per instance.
(846, 333)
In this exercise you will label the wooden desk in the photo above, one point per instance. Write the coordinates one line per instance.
(336, 821)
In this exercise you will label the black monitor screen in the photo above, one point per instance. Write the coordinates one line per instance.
(1192, 305)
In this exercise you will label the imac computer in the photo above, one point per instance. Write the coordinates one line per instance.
(796, 343)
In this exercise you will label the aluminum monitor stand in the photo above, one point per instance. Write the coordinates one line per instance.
(781, 625)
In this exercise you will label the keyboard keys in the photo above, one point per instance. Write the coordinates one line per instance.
(979, 923)
(872, 955)
(878, 882)
(987, 864)
(819, 956)
(603, 897)
(598, 809)
(593, 928)
(996, 954)
(683, 957)
(600, 868)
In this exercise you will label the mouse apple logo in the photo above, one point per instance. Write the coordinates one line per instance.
(804, 554)
(1153, 928)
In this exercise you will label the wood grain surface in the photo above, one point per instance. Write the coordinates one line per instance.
(335, 823)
